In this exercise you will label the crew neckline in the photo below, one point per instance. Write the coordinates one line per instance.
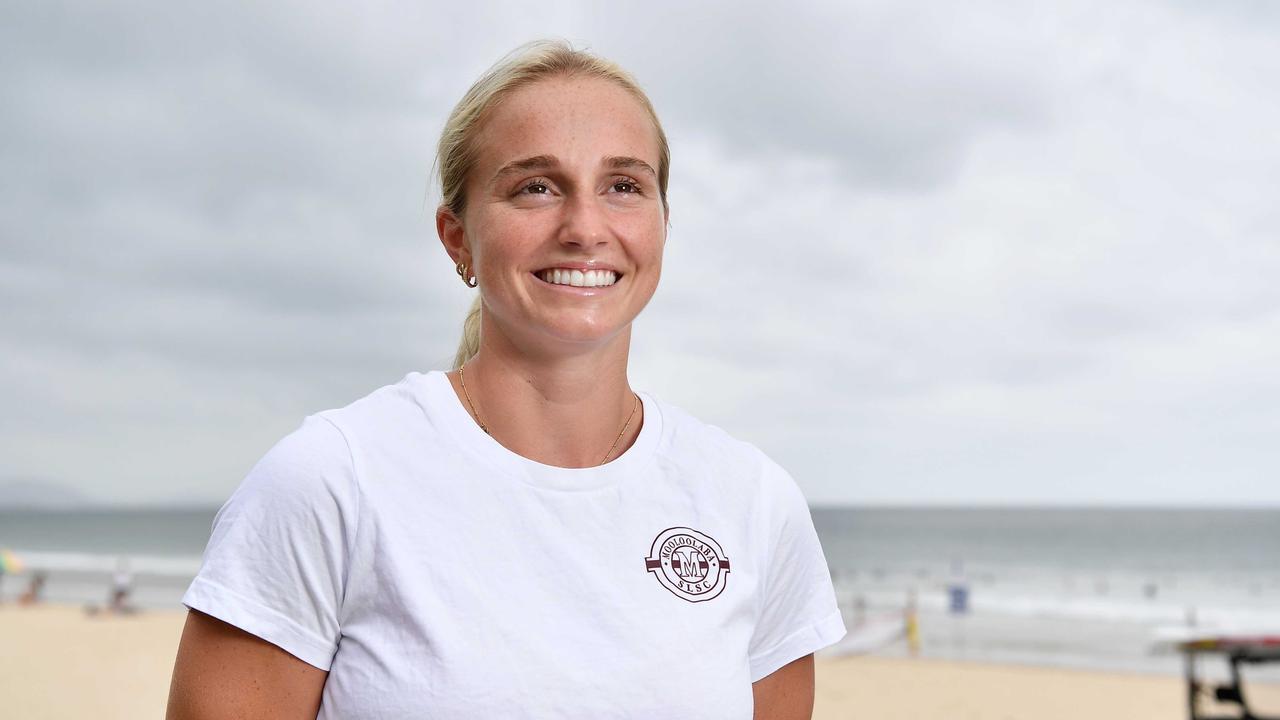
(459, 423)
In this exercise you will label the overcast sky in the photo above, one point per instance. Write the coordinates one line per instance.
(920, 253)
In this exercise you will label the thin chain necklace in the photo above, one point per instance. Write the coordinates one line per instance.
(463, 380)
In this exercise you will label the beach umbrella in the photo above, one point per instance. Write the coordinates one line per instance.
(9, 563)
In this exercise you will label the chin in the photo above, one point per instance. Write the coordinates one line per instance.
(569, 329)
(586, 333)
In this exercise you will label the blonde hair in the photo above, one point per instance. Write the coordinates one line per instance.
(457, 151)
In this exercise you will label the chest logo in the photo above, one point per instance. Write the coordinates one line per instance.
(688, 563)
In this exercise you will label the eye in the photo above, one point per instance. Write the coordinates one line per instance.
(626, 186)
(537, 187)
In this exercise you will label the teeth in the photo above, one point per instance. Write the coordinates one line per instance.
(579, 278)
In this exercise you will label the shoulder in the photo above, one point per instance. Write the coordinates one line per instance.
(387, 406)
(316, 460)
(308, 468)
(686, 436)
(739, 474)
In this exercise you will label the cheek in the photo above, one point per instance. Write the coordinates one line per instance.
(653, 243)
(496, 245)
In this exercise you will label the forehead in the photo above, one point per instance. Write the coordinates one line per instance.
(578, 120)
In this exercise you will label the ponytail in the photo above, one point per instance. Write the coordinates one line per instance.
(470, 343)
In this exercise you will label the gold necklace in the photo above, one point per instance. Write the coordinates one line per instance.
(463, 380)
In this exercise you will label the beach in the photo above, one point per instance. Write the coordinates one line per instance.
(55, 662)
(1062, 609)
(898, 689)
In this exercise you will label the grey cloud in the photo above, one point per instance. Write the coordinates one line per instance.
(891, 93)
(924, 251)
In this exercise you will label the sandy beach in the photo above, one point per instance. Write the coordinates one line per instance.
(57, 663)
(893, 689)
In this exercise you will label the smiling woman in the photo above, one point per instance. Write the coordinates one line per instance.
(462, 142)
(523, 536)
(562, 178)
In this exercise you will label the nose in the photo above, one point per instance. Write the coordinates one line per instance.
(584, 223)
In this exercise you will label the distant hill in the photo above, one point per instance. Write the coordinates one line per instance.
(35, 494)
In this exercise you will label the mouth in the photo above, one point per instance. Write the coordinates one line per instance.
(597, 279)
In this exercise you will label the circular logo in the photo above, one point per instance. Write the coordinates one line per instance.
(688, 563)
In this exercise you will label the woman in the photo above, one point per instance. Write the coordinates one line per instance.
(525, 536)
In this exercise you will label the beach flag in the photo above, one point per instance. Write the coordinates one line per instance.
(9, 563)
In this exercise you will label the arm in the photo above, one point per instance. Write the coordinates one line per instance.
(787, 693)
(224, 672)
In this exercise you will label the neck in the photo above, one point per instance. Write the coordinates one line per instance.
(564, 410)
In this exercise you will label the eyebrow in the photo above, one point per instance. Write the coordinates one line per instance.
(545, 162)
(621, 162)
(537, 162)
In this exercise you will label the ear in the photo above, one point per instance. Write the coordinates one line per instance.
(452, 236)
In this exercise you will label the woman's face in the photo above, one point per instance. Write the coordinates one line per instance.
(565, 180)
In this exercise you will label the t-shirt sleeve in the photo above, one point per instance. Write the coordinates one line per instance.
(798, 613)
(276, 563)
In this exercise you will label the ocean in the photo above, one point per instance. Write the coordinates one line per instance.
(1085, 588)
(1089, 588)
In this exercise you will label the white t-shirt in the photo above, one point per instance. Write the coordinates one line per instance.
(436, 574)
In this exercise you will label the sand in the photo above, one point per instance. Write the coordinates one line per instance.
(889, 689)
(57, 663)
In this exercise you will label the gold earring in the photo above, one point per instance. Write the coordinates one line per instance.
(462, 273)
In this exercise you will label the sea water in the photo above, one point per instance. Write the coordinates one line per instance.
(1068, 587)
(1089, 588)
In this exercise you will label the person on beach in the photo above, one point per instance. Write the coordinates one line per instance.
(524, 535)
(118, 595)
(121, 589)
(35, 588)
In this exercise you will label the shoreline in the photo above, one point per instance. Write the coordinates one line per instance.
(57, 662)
